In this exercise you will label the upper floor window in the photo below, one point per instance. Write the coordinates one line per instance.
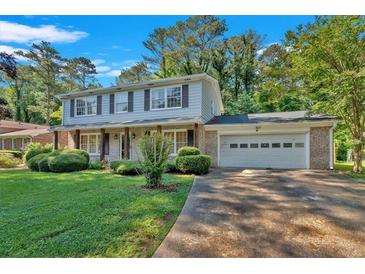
(121, 102)
(212, 107)
(86, 106)
(166, 98)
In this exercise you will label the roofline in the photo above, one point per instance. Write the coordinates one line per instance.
(333, 121)
(64, 128)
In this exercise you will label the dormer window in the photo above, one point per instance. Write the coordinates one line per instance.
(164, 98)
(86, 106)
(121, 102)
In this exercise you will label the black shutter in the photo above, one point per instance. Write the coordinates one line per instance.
(98, 104)
(111, 104)
(185, 96)
(146, 100)
(190, 137)
(130, 101)
(72, 108)
(106, 144)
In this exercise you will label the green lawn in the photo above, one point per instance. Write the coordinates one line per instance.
(347, 166)
(85, 214)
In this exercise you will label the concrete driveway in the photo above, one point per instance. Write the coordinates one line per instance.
(264, 213)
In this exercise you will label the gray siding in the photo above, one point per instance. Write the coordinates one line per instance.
(194, 109)
(208, 95)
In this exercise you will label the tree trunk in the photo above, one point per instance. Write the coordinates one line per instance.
(48, 105)
(357, 157)
(17, 104)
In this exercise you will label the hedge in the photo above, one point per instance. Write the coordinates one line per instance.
(15, 153)
(34, 149)
(33, 162)
(170, 166)
(195, 164)
(125, 167)
(8, 161)
(97, 165)
(185, 151)
(67, 162)
(78, 152)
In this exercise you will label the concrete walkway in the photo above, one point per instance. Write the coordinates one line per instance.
(263, 213)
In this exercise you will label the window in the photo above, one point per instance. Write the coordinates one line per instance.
(90, 143)
(243, 145)
(287, 145)
(121, 102)
(233, 146)
(179, 139)
(166, 98)
(254, 145)
(158, 98)
(265, 145)
(212, 107)
(275, 145)
(86, 106)
(173, 97)
(299, 145)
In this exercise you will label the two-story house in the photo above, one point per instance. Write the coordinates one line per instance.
(109, 122)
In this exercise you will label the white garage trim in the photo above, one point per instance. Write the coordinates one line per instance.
(244, 150)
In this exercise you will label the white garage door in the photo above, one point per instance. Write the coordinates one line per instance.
(263, 151)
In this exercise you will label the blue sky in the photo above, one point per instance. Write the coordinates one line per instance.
(115, 42)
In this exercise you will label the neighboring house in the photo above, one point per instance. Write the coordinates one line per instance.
(16, 135)
(109, 122)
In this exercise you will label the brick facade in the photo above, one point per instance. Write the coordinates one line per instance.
(211, 146)
(64, 139)
(320, 144)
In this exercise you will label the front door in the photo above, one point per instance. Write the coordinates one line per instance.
(122, 146)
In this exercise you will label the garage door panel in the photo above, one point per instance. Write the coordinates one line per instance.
(271, 157)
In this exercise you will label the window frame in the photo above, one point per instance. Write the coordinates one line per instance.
(174, 153)
(86, 99)
(98, 145)
(165, 97)
(115, 102)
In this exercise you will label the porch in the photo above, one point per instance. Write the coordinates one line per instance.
(115, 143)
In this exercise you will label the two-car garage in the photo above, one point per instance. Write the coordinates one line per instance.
(264, 151)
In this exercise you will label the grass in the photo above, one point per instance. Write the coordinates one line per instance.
(347, 166)
(85, 214)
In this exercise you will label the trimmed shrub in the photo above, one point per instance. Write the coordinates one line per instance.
(97, 165)
(43, 164)
(115, 163)
(8, 161)
(127, 167)
(78, 152)
(66, 162)
(16, 154)
(33, 162)
(170, 166)
(195, 164)
(34, 149)
(185, 151)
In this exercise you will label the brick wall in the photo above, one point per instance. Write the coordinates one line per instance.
(320, 148)
(211, 146)
(46, 138)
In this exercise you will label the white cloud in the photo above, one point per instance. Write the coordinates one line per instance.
(115, 47)
(113, 73)
(98, 61)
(11, 50)
(261, 51)
(18, 33)
(102, 68)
